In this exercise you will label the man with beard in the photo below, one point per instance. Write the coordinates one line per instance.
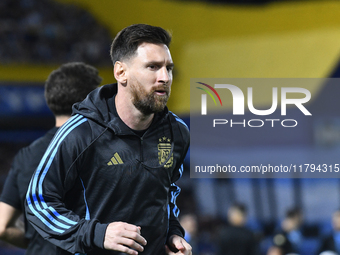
(106, 184)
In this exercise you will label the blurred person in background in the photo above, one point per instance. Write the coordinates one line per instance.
(328, 253)
(290, 237)
(275, 250)
(236, 238)
(332, 241)
(68, 84)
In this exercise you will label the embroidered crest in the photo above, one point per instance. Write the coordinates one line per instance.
(164, 149)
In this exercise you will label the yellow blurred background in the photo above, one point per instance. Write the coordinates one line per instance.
(278, 40)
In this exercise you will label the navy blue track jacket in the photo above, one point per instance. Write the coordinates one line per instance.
(97, 170)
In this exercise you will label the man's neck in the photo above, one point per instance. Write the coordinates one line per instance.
(61, 119)
(130, 115)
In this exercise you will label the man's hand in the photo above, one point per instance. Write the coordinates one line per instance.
(178, 243)
(124, 237)
(9, 231)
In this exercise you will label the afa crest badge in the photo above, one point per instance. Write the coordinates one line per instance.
(164, 149)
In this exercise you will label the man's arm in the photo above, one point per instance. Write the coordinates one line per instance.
(9, 231)
(45, 208)
(176, 244)
(10, 207)
(175, 227)
(175, 238)
(44, 205)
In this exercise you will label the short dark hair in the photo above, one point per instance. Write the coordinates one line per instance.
(240, 207)
(294, 212)
(127, 40)
(68, 84)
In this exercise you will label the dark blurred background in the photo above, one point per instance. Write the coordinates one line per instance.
(231, 38)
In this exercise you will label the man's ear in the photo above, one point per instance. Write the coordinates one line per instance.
(119, 71)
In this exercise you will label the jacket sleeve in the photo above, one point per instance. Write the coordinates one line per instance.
(10, 192)
(175, 227)
(45, 208)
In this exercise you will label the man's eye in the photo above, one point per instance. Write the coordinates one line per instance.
(153, 67)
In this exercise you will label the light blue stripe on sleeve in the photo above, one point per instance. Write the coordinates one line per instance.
(39, 216)
(174, 195)
(179, 120)
(61, 134)
(87, 216)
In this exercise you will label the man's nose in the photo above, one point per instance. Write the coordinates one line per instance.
(164, 75)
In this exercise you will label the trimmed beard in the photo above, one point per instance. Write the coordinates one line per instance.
(148, 103)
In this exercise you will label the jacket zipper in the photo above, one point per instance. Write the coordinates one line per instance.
(141, 149)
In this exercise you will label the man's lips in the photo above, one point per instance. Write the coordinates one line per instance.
(161, 91)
